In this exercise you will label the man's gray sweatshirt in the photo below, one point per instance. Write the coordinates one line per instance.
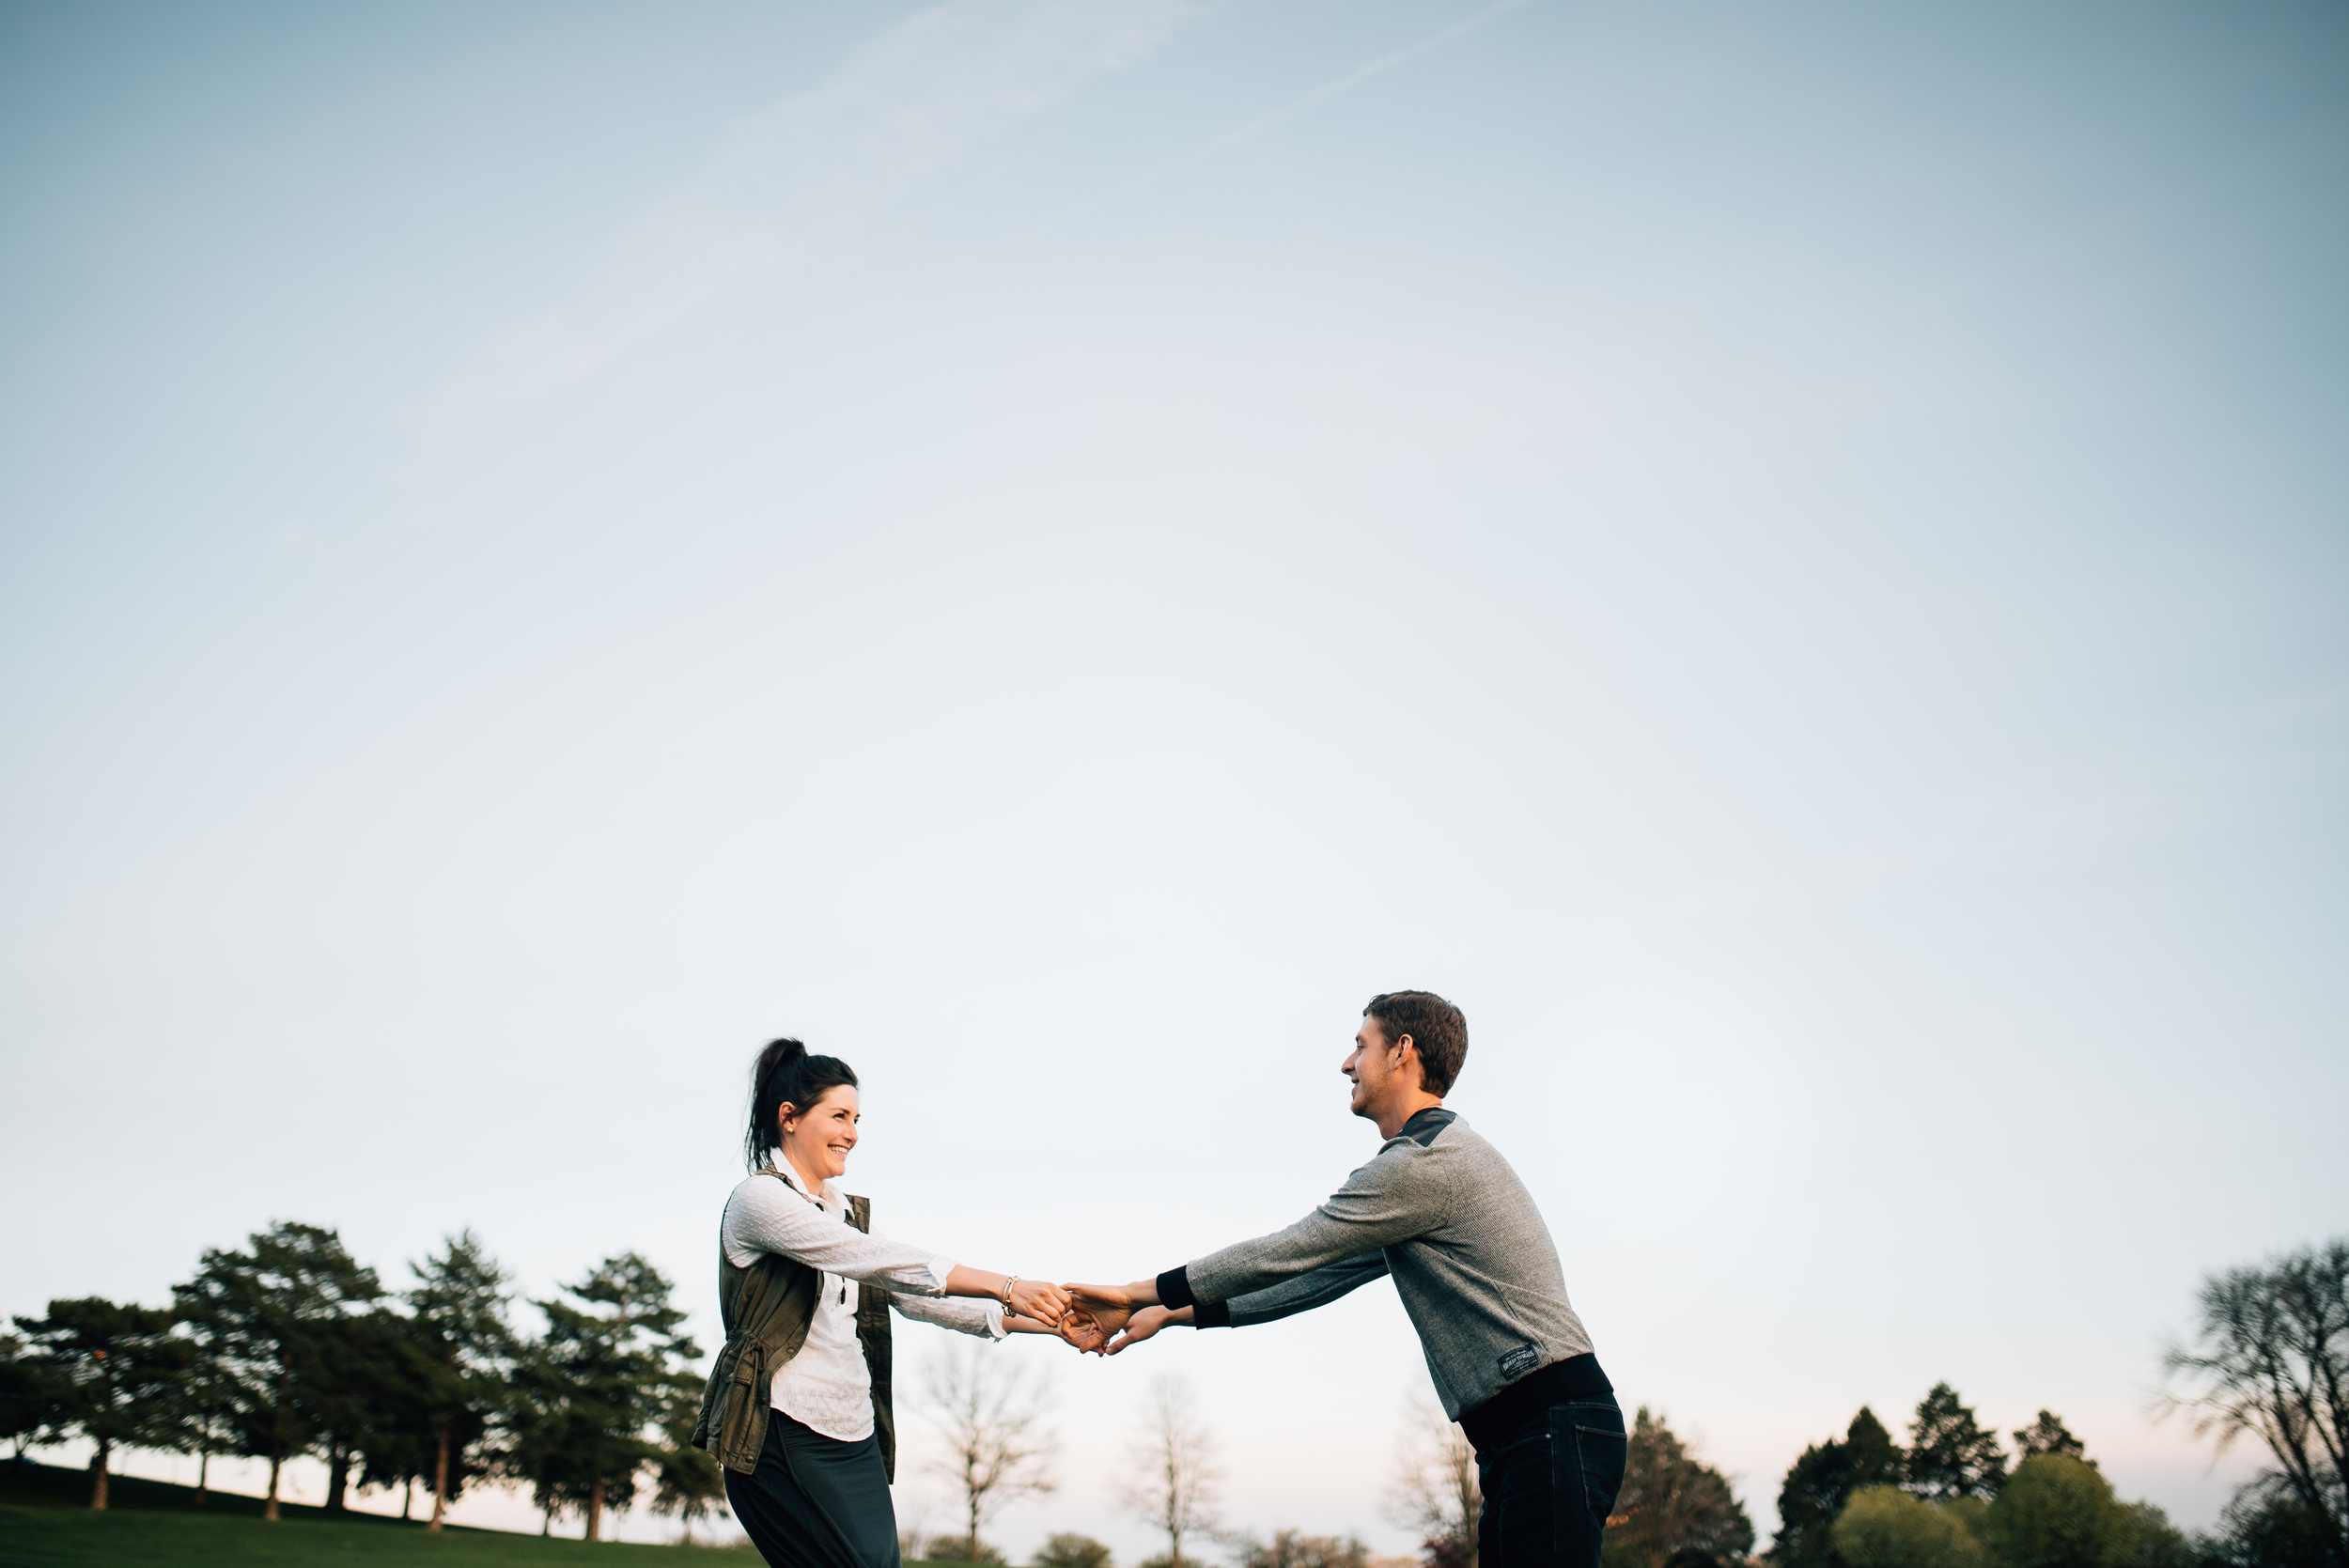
(1440, 1210)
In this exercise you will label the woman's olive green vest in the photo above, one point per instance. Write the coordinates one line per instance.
(766, 1310)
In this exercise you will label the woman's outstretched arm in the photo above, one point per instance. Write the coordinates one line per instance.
(1039, 1299)
(766, 1215)
(987, 1320)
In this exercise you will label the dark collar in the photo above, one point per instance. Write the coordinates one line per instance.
(1423, 1126)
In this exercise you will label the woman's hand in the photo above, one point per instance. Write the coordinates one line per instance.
(1039, 1299)
(1045, 1302)
(1081, 1329)
(1075, 1329)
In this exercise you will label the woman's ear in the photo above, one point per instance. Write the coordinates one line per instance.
(785, 1114)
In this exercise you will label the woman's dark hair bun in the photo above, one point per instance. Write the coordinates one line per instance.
(785, 1074)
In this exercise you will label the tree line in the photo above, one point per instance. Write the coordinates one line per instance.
(1950, 1498)
(1673, 1508)
(290, 1346)
(2268, 1360)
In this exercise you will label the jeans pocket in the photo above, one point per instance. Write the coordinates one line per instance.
(1602, 1453)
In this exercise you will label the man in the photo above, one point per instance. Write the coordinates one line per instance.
(1440, 1211)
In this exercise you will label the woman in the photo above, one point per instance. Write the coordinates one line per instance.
(797, 1408)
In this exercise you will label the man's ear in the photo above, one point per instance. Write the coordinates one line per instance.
(1404, 1042)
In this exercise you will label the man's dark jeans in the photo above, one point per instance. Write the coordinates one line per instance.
(1549, 1486)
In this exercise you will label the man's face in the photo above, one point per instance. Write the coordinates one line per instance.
(1371, 1066)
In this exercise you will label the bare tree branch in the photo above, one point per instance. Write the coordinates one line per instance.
(2271, 1359)
(1173, 1484)
(1436, 1489)
(989, 1409)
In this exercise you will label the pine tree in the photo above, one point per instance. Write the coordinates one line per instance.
(599, 1376)
(267, 1319)
(538, 1447)
(688, 1482)
(1672, 1504)
(458, 1311)
(398, 1452)
(208, 1410)
(1822, 1480)
(1949, 1454)
(2049, 1435)
(116, 1372)
(367, 1396)
(34, 1396)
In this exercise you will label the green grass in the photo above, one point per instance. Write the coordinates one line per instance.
(45, 1522)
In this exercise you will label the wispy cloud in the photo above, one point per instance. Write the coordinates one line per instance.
(1328, 90)
(800, 178)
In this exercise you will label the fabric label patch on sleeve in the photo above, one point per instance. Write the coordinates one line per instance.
(1519, 1362)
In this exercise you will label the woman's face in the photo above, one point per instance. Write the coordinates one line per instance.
(818, 1140)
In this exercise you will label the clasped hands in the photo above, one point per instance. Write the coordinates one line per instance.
(1103, 1319)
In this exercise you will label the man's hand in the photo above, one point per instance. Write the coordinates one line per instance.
(1144, 1323)
(1106, 1307)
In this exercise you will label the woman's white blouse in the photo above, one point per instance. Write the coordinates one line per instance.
(827, 1385)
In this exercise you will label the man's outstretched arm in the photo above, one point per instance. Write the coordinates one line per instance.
(1303, 1294)
(1391, 1199)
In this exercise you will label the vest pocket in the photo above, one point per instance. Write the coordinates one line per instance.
(743, 1397)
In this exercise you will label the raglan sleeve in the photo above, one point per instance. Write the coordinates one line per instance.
(1290, 1297)
(1392, 1199)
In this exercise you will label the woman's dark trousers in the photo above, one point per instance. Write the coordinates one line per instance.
(815, 1501)
(1549, 1486)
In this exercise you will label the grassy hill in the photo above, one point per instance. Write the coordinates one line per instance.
(46, 1523)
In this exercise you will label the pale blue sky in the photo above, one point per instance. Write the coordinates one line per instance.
(1789, 558)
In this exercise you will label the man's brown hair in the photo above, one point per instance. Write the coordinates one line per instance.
(1439, 1030)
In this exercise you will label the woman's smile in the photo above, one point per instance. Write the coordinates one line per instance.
(816, 1141)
